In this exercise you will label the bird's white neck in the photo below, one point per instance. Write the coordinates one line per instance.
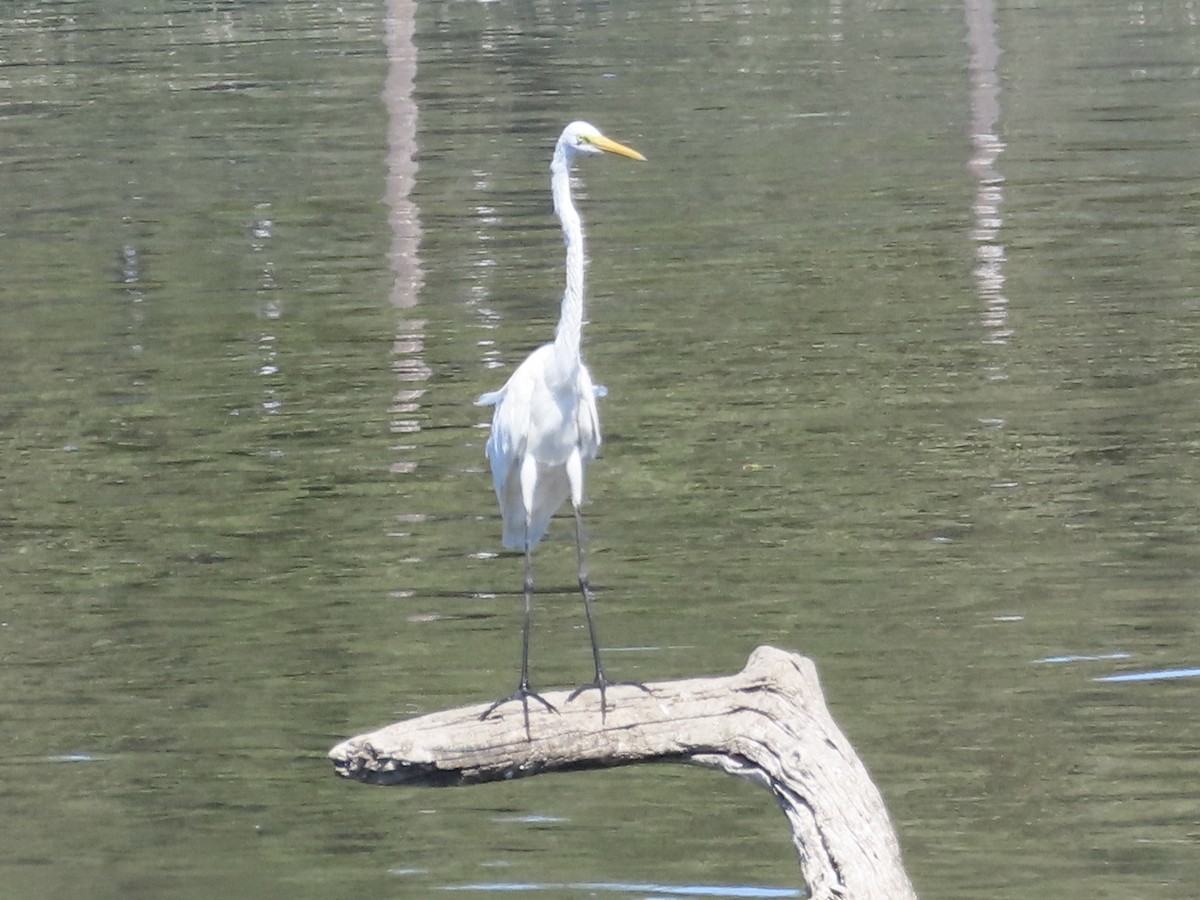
(569, 334)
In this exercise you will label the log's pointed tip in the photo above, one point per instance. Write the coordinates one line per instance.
(342, 752)
(352, 756)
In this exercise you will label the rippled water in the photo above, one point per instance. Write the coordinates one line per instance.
(899, 328)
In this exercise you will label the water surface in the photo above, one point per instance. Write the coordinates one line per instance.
(898, 326)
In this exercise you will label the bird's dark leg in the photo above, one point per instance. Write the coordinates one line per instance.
(524, 692)
(601, 682)
(524, 683)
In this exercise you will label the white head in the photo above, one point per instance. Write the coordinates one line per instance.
(583, 137)
(578, 136)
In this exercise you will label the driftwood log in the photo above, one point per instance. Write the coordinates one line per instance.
(768, 723)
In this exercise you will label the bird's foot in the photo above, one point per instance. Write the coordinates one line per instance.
(523, 695)
(601, 683)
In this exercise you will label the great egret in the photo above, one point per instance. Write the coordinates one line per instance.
(545, 427)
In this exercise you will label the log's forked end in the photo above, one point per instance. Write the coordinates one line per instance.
(788, 671)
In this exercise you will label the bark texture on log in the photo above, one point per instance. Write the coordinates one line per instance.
(768, 723)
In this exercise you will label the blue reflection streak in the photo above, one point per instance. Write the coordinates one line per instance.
(1081, 658)
(663, 890)
(653, 890)
(1160, 675)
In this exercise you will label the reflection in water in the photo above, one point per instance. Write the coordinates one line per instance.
(131, 277)
(488, 220)
(270, 308)
(1074, 658)
(649, 890)
(989, 192)
(130, 273)
(1159, 675)
(404, 218)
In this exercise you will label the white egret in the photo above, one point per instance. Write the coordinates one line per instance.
(546, 428)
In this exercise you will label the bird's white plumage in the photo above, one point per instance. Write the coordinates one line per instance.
(546, 415)
(545, 425)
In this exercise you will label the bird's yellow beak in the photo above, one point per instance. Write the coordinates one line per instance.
(611, 146)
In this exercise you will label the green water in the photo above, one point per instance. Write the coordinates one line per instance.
(916, 404)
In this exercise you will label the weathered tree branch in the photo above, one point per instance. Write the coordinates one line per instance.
(767, 723)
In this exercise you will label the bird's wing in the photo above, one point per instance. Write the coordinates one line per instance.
(588, 415)
(510, 429)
